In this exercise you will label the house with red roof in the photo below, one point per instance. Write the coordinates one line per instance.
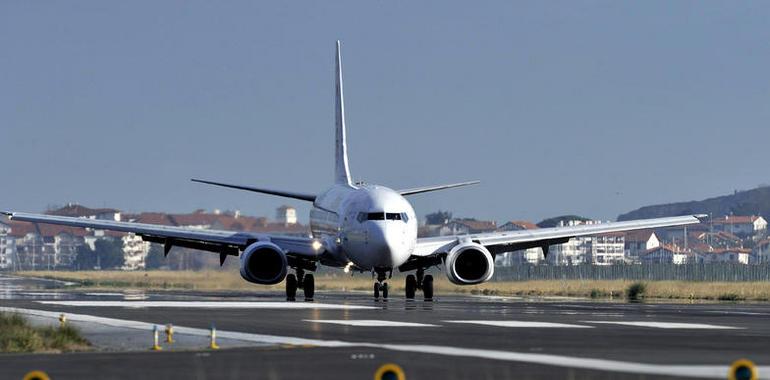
(743, 226)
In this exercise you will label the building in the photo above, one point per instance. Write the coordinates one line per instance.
(743, 226)
(665, 254)
(7, 246)
(530, 256)
(607, 249)
(761, 252)
(727, 255)
(467, 226)
(286, 215)
(576, 251)
(77, 211)
(638, 242)
(135, 251)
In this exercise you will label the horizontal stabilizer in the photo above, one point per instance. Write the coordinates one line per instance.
(287, 194)
(418, 190)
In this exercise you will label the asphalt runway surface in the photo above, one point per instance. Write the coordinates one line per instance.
(350, 335)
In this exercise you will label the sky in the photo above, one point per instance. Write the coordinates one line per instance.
(577, 107)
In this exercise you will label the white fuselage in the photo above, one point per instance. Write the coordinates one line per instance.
(370, 226)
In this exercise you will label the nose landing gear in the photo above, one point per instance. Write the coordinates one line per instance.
(420, 282)
(381, 286)
(303, 281)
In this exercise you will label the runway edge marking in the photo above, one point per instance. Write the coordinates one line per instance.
(211, 304)
(698, 371)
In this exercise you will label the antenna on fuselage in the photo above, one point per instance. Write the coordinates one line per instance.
(341, 169)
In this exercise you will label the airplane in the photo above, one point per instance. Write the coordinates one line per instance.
(357, 226)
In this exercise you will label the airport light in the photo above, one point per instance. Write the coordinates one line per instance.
(155, 345)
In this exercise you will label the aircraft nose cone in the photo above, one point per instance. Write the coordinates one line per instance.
(386, 243)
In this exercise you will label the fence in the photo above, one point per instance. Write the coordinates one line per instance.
(650, 272)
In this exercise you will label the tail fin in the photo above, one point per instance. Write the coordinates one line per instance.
(341, 169)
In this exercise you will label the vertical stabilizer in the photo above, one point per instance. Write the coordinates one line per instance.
(341, 169)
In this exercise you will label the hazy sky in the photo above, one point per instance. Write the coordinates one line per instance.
(593, 108)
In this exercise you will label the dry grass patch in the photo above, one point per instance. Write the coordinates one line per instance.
(17, 335)
(222, 280)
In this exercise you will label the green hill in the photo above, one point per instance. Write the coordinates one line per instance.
(749, 202)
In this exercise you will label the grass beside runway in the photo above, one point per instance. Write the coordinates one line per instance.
(17, 335)
(222, 280)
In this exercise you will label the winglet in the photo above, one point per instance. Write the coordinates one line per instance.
(341, 168)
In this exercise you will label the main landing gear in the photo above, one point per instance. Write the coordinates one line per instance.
(303, 281)
(420, 282)
(381, 287)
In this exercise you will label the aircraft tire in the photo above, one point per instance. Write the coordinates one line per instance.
(376, 290)
(427, 287)
(384, 290)
(309, 287)
(291, 287)
(411, 286)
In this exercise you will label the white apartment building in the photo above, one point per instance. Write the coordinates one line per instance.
(607, 249)
(7, 247)
(577, 250)
(135, 252)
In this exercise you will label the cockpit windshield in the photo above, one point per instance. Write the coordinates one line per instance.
(382, 216)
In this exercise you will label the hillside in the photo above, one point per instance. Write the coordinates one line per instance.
(750, 202)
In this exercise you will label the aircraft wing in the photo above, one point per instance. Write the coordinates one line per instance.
(222, 242)
(507, 241)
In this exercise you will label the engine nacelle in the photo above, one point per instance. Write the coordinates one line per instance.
(469, 264)
(263, 263)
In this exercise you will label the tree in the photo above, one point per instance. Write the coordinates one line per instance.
(155, 258)
(438, 217)
(85, 258)
(110, 253)
(107, 255)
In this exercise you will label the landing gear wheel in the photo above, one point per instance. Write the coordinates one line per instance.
(308, 287)
(376, 290)
(384, 290)
(427, 287)
(291, 287)
(411, 286)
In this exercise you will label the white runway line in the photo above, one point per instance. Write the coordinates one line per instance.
(369, 323)
(209, 305)
(668, 325)
(529, 324)
(698, 371)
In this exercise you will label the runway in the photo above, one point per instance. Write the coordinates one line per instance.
(349, 335)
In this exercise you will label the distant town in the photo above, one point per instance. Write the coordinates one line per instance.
(738, 239)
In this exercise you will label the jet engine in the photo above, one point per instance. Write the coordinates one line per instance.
(469, 264)
(263, 263)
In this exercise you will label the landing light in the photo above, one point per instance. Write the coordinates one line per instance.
(347, 267)
(316, 245)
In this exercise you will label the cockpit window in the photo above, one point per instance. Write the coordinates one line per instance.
(376, 216)
(393, 216)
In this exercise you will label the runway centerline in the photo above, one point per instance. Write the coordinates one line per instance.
(667, 325)
(369, 323)
(525, 324)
